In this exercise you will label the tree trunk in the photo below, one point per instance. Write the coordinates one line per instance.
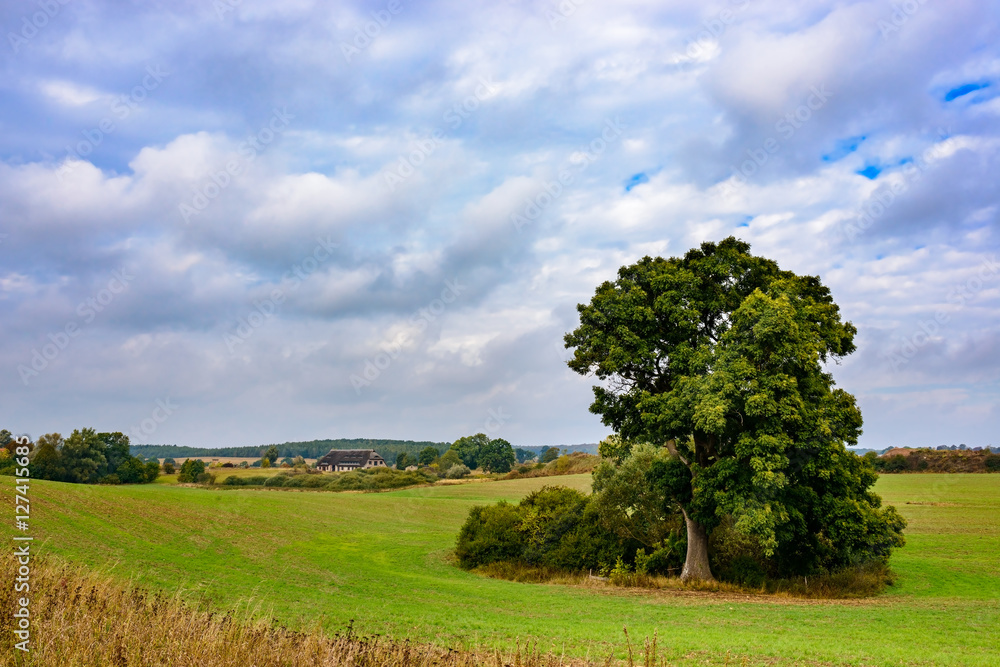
(696, 564)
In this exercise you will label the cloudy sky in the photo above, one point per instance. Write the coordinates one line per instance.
(239, 222)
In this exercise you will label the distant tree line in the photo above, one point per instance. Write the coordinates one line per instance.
(314, 449)
(929, 460)
(85, 457)
(493, 455)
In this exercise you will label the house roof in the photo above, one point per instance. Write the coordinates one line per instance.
(357, 457)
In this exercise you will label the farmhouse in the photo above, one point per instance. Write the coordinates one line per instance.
(338, 460)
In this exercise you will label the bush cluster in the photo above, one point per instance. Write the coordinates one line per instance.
(553, 527)
(371, 479)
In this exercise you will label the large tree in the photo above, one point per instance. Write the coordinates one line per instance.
(469, 447)
(719, 356)
(83, 456)
(497, 455)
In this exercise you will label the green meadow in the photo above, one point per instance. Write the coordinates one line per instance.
(383, 560)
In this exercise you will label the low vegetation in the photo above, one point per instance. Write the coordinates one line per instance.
(370, 479)
(384, 560)
(933, 460)
(71, 625)
(568, 464)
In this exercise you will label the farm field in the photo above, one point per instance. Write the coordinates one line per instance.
(382, 560)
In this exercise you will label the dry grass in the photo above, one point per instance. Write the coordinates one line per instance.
(79, 619)
(569, 464)
(863, 582)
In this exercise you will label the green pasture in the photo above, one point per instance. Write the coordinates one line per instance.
(382, 559)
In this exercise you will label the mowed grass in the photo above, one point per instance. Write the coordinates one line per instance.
(383, 560)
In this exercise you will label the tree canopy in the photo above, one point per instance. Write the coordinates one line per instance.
(479, 451)
(718, 356)
(497, 456)
(89, 457)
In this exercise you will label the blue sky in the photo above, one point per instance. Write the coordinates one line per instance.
(248, 222)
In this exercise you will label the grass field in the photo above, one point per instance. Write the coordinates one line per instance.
(382, 560)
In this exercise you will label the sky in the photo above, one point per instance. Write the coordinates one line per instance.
(234, 222)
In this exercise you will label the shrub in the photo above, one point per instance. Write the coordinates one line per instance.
(552, 528)
(191, 470)
(458, 471)
(992, 462)
(313, 482)
(110, 479)
(205, 478)
(489, 535)
(277, 480)
(168, 468)
(745, 571)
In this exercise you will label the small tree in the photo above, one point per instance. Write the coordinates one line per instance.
(46, 460)
(549, 455)
(265, 462)
(458, 471)
(271, 454)
(403, 460)
(191, 470)
(448, 459)
(168, 468)
(523, 454)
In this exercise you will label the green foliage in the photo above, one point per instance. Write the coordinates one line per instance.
(403, 461)
(370, 479)
(46, 460)
(458, 471)
(88, 457)
(549, 455)
(478, 451)
(168, 468)
(428, 455)
(554, 527)
(132, 471)
(165, 537)
(490, 534)
(313, 449)
(83, 457)
(469, 447)
(265, 462)
(889, 464)
(271, 454)
(190, 471)
(719, 355)
(497, 456)
(448, 459)
(614, 448)
(523, 454)
(992, 462)
(629, 504)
